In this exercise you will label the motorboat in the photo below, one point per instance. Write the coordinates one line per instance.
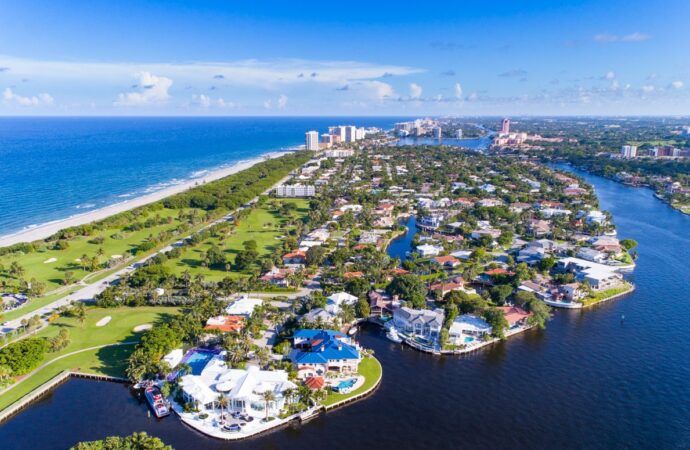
(393, 335)
(156, 401)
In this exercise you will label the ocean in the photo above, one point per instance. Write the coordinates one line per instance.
(53, 168)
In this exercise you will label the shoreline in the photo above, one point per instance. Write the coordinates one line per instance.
(49, 228)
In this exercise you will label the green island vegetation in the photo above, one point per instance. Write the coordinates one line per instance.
(135, 441)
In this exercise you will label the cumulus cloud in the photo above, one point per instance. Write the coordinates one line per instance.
(648, 88)
(372, 89)
(42, 99)
(632, 37)
(154, 89)
(282, 101)
(677, 84)
(207, 102)
(458, 91)
(415, 90)
(610, 75)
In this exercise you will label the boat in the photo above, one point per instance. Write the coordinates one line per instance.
(352, 331)
(393, 335)
(156, 401)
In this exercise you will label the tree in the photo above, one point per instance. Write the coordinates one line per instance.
(136, 441)
(68, 277)
(80, 313)
(629, 244)
(362, 308)
(222, 403)
(547, 263)
(409, 287)
(497, 320)
(357, 286)
(16, 270)
(315, 255)
(268, 397)
(215, 258)
(540, 313)
(500, 293)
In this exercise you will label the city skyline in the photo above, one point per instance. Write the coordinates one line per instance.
(397, 59)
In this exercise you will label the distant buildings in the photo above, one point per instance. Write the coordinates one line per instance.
(295, 190)
(458, 133)
(629, 151)
(437, 132)
(312, 140)
(505, 126)
(339, 153)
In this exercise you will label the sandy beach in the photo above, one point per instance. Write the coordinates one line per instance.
(45, 230)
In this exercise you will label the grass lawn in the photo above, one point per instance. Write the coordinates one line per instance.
(370, 368)
(261, 225)
(52, 273)
(608, 293)
(107, 361)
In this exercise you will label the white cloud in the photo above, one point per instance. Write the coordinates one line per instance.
(415, 90)
(282, 101)
(372, 90)
(677, 84)
(615, 85)
(206, 102)
(458, 90)
(648, 88)
(152, 89)
(42, 99)
(632, 37)
(610, 75)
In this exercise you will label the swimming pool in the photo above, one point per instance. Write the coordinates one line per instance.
(198, 360)
(345, 385)
(468, 339)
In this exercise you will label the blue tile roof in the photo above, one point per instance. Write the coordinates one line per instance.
(329, 348)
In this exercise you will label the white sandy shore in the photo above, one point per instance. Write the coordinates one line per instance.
(50, 228)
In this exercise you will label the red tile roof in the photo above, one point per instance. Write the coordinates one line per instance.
(514, 314)
(226, 324)
(315, 383)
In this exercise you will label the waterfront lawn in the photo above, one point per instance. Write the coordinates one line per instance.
(597, 297)
(370, 368)
(110, 361)
(53, 273)
(263, 225)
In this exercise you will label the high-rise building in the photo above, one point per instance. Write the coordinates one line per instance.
(458, 133)
(361, 133)
(437, 132)
(327, 139)
(295, 190)
(629, 151)
(338, 131)
(312, 140)
(505, 126)
(350, 133)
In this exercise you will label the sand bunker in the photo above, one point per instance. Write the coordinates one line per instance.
(104, 321)
(143, 327)
(51, 260)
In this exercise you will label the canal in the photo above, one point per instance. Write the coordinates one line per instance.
(590, 380)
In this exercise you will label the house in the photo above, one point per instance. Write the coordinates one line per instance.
(278, 276)
(516, 316)
(422, 323)
(351, 275)
(538, 227)
(316, 352)
(244, 306)
(448, 261)
(554, 212)
(494, 233)
(225, 324)
(466, 328)
(427, 250)
(531, 255)
(380, 303)
(535, 288)
(462, 254)
(430, 222)
(318, 315)
(243, 388)
(572, 291)
(445, 288)
(598, 276)
(595, 217)
(591, 254)
(298, 257)
(335, 302)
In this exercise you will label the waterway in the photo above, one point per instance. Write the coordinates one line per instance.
(400, 246)
(591, 380)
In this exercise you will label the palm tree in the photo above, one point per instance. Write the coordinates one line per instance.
(5, 373)
(306, 395)
(81, 314)
(223, 403)
(268, 397)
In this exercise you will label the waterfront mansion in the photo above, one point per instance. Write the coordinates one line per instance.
(423, 323)
(243, 388)
(316, 352)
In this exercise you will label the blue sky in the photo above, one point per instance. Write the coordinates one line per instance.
(367, 58)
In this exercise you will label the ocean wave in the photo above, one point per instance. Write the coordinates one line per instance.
(86, 206)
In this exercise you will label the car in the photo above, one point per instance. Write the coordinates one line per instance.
(231, 427)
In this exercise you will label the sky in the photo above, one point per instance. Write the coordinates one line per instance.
(461, 58)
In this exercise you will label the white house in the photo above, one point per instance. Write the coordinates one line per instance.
(419, 322)
(295, 190)
(337, 300)
(466, 328)
(244, 306)
(427, 250)
(242, 387)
